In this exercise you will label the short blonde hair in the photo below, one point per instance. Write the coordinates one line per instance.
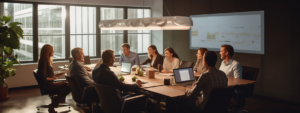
(75, 51)
(126, 45)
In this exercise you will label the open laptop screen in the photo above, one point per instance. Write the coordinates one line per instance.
(126, 67)
(183, 75)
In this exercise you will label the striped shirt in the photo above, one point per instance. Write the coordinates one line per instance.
(212, 78)
(233, 68)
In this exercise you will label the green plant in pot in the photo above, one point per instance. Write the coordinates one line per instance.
(10, 34)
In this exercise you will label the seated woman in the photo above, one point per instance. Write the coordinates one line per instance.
(46, 76)
(199, 66)
(154, 57)
(171, 61)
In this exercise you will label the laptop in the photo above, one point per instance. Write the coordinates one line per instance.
(184, 76)
(126, 68)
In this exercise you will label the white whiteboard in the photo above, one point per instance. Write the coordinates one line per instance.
(244, 31)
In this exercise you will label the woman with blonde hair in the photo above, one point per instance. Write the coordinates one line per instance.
(199, 66)
(154, 58)
(46, 76)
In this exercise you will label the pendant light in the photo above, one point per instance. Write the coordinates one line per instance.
(152, 23)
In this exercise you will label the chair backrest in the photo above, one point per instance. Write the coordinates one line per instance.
(186, 64)
(70, 59)
(41, 85)
(87, 60)
(75, 89)
(249, 73)
(143, 58)
(109, 99)
(219, 100)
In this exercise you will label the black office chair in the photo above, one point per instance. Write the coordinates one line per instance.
(249, 73)
(217, 102)
(186, 64)
(70, 59)
(87, 60)
(51, 93)
(78, 94)
(110, 103)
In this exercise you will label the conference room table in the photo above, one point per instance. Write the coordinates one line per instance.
(156, 85)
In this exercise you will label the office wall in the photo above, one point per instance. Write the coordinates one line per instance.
(278, 77)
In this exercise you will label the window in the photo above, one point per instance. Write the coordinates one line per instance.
(22, 13)
(51, 28)
(112, 39)
(139, 40)
(44, 23)
(83, 29)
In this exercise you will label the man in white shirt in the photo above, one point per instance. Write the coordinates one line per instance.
(230, 66)
(234, 69)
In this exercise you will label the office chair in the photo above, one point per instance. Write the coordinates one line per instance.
(186, 64)
(51, 93)
(78, 94)
(87, 60)
(217, 102)
(70, 59)
(249, 73)
(110, 103)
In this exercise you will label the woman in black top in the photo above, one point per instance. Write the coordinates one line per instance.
(46, 76)
(154, 57)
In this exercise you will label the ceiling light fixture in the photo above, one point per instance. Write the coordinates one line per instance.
(152, 23)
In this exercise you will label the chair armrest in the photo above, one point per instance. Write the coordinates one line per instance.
(131, 98)
(86, 89)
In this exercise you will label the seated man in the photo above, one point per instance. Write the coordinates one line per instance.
(128, 56)
(79, 71)
(103, 75)
(212, 78)
(234, 69)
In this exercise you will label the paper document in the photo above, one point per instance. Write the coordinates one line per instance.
(184, 75)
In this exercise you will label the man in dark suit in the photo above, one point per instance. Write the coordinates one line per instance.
(103, 75)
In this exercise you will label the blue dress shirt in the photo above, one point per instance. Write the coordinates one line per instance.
(133, 58)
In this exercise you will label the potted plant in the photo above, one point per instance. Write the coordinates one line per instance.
(10, 34)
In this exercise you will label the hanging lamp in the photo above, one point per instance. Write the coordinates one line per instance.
(152, 23)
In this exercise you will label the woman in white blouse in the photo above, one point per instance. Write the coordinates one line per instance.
(171, 61)
(199, 66)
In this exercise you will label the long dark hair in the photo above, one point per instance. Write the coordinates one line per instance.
(171, 50)
(154, 48)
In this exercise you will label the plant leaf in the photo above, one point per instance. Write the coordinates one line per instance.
(15, 59)
(18, 30)
(8, 50)
(15, 24)
(9, 64)
(6, 19)
(14, 42)
(3, 29)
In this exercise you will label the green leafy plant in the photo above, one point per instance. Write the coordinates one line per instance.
(10, 34)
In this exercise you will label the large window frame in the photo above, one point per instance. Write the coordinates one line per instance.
(67, 27)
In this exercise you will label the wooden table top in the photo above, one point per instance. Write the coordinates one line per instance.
(156, 85)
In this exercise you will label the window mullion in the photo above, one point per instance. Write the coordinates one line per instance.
(98, 33)
(35, 32)
(67, 32)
